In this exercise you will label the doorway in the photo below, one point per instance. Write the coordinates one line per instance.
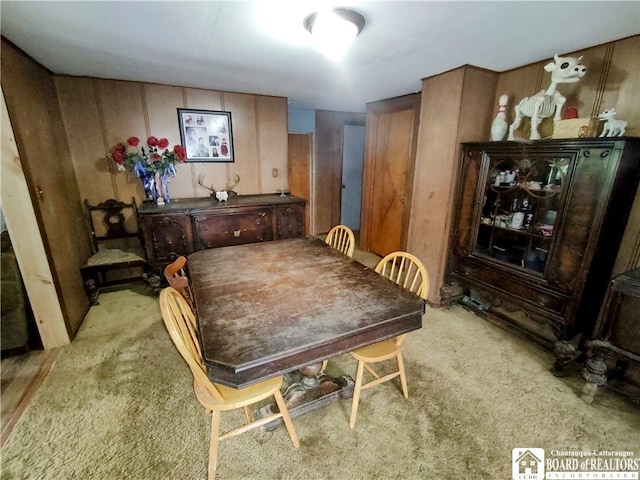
(352, 169)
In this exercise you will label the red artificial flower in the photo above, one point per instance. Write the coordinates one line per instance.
(133, 141)
(163, 143)
(120, 148)
(155, 157)
(117, 156)
(152, 141)
(180, 152)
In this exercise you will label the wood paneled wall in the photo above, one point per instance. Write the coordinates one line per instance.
(100, 113)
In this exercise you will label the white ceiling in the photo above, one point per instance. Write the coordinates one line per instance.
(262, 47)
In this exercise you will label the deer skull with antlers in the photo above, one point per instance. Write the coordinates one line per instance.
(221, 195)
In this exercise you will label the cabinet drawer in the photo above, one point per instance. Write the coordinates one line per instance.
(517, 289)
(234, 228)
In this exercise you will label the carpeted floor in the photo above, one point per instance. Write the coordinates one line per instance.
(119, 404)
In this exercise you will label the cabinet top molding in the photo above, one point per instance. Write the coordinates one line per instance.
(182, 204)
(569, 142)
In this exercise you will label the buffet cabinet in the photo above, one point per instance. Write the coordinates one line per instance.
(535, 232)
(188, 225)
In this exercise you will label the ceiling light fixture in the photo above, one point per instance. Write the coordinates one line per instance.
(334, 30)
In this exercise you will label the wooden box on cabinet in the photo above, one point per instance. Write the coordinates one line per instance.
(536, 230)
(188, 225)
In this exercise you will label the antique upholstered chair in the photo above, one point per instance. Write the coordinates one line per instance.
(181, 324)
(341, 238)
(407, 271)
(118, 254)
(176, 276)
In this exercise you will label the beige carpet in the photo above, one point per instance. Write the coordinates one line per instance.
(119, 404)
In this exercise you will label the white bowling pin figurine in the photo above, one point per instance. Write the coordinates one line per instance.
(500, 126)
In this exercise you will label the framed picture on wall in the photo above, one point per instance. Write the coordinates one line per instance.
(206, 135)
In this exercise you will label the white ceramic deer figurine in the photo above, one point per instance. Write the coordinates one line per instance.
(612, 126)
(544, 103)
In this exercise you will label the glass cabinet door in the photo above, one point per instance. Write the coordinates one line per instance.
(520, 209)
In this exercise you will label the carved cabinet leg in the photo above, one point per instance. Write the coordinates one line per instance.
(92, 290)
(565, 353)
(595, 373)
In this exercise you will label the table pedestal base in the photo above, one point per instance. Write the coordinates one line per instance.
(303, 394)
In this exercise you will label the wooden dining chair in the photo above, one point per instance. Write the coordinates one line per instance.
(180, 322)
(118, 255)
(176, 276)
(407, 271)
(341, 238)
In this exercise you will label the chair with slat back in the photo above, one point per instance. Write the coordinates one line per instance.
(215, 398)
(341, 238)
(407, 271)
(176, 276)
(118, 254)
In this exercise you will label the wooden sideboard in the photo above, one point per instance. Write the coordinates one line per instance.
(187, 225)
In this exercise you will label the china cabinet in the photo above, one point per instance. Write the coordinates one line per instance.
(536, 230)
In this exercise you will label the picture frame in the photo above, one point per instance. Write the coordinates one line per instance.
(206, 135)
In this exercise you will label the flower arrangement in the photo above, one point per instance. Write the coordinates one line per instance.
(153, 160)
(154, 166)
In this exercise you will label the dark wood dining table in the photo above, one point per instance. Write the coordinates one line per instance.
(265, 309)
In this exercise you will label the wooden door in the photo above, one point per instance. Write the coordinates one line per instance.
(34, 113)
(299, 167)
(388, 172)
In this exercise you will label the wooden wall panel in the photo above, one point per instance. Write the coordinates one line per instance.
(116, 110)
(622, 91)
(121, 107)
(299, 167)
(77, 98)
(160, 103)
(437, 137)
(456, 107)
(214, 173)
(245, 143)
(622, 86)
(272, 133)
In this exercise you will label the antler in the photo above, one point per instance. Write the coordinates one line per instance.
(200, 182)
(236, 180)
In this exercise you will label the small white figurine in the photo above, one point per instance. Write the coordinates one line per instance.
(612, 127)
(500, 126)
(544, 103)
